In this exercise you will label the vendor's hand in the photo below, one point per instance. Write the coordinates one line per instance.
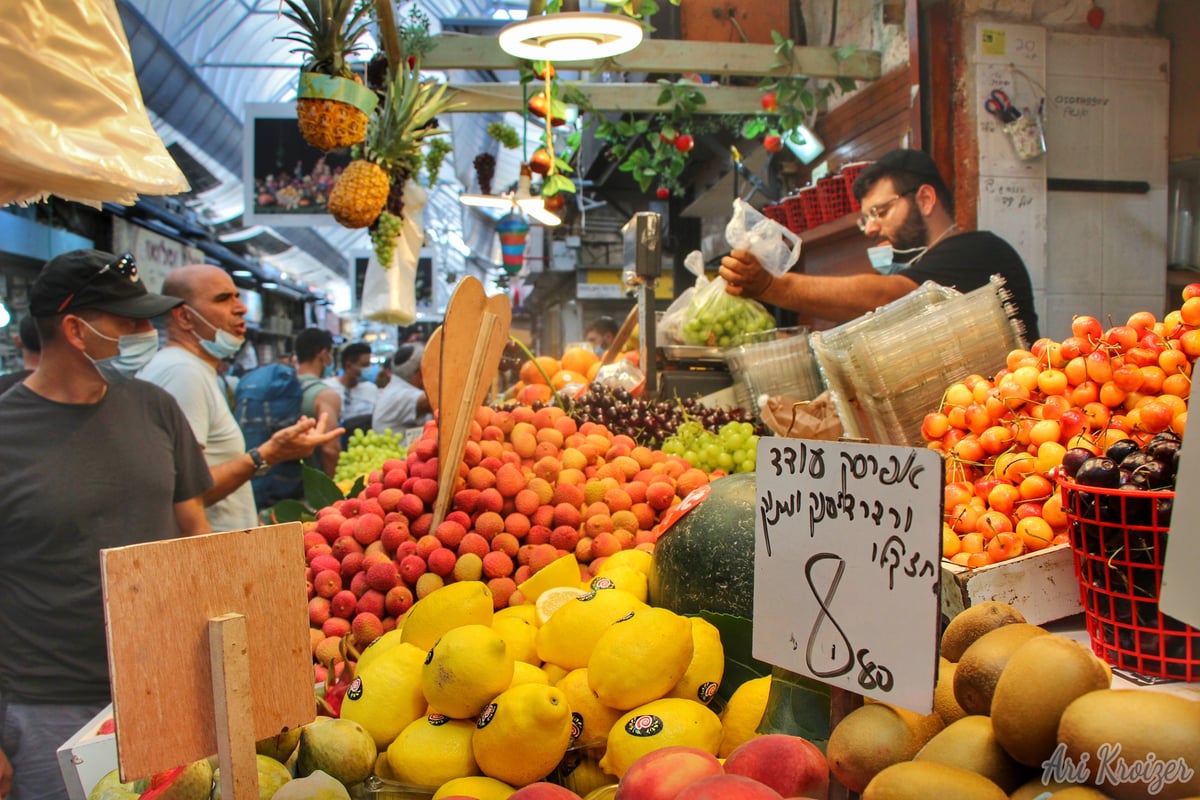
(299, 440)
(6, 775)
(743, 275)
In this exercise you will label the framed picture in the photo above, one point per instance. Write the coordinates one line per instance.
(286, 180)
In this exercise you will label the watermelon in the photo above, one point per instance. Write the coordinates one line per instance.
(705, 561)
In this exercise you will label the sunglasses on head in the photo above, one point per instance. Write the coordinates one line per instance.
(123, 265)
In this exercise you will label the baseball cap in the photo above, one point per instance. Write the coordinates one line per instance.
(407, 359)
(917, 162)
(95, 279)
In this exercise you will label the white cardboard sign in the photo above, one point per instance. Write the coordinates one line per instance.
(1180, 594)
(847, 565)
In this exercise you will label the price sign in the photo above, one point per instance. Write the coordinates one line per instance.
(1180, 596)
(847, 566)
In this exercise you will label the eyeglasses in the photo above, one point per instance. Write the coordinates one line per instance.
(123, 265)
(876, 213)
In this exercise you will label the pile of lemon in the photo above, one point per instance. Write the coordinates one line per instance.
(577, 683)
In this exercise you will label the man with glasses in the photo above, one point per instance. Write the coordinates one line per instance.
(909, 212)
(93, 459)
(208, 327)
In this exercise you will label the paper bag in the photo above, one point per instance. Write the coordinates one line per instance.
(803, 419)
(389, 294)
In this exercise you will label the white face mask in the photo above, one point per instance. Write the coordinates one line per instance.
(223, 345)
(134, 352)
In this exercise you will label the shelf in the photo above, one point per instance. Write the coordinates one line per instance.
(840, 228)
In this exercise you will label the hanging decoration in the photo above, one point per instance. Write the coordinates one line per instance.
(514, 232)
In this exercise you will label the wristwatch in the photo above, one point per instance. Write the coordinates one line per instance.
(261, 467)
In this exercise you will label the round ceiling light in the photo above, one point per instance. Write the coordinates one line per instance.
(571, 36)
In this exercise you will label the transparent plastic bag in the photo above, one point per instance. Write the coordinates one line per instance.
(773, 245)
(670, 327)
(715, 318)
(389, 293)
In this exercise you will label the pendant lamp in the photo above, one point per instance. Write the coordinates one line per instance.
(570, 34)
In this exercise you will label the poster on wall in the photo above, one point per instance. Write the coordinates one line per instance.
(156, 255)
(286, 180)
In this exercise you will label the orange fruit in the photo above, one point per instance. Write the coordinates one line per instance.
(531, 374)
(579, 359)
(592, 370)
(564, 376)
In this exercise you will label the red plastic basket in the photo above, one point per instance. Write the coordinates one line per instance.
(1118, 539)
(814, 214)
(795, 218)
(834, 197)
(775, 211)
(851, 172)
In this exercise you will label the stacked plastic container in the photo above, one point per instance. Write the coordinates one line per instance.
(776, 363)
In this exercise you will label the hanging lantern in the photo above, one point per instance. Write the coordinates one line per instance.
(514, 231)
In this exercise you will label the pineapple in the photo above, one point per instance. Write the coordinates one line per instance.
(391, 152)
(329, 32)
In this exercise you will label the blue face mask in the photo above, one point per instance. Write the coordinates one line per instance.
(370, 373)
(224, 345)
(134, 352)
(883, 258)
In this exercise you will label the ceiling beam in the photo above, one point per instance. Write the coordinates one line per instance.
(629, 97)
(671, 56)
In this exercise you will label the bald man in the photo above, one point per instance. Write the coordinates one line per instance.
(210, 326)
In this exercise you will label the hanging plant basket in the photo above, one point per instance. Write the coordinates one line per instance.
(333, 111)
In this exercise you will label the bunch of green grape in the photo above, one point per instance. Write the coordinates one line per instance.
(720, 323)
(366, 451)
(384, 234)
(732, 448)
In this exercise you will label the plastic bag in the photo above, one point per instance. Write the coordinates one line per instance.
(715, 318)
(670, 327)
(765, 238)
(72, 119)
(389, 294)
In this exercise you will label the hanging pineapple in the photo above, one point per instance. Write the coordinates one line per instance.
(333, 106)
(391, 152)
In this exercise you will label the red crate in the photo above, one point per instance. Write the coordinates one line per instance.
(796, 220)
(1118, 539)
(834, 197)
(814, 214)
(775, 211)
(851, 172)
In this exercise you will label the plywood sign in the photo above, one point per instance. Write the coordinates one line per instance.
(158, 600)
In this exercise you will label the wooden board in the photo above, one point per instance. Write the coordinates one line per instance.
(1040, 585)
(499, 305)
(158, 600)
(431, 368)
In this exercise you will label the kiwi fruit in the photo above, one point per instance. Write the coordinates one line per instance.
(973, 622)
(979, 668)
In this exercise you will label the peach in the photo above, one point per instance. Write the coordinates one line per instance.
(543, 791)
(662, 774)
(728, 787)
(791, 765)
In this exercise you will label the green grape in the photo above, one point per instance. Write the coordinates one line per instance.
(366, 452)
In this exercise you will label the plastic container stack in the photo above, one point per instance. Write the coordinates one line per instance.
(777, 363)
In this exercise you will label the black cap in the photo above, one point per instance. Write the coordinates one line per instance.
(917, 162)
(94, 279)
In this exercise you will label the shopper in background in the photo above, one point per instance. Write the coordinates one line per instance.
(403, 402)
(909, 212)
(92, 459)
(205, 331)
(600, 334)
(314, 359)
(358, 395)
(31, 353)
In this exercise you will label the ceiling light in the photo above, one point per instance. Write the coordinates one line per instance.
(571, 36)
(523, 198)
(270, 285)
(242, 273)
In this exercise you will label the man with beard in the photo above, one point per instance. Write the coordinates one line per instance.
(909, 212)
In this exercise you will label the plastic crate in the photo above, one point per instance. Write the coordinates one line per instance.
(777, 363)
(1118, 539)
(834, 196)
(850, 173)
(775, 211)
(814, 215)
(796, 220)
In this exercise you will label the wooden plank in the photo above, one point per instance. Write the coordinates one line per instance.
(628, 97)
(230, 661)
(721, 21)
(669, 56)
(1041, 585)
(158, 600)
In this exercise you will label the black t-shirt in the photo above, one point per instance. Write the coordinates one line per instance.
(13, 378)
(968, 260)
(77, 478)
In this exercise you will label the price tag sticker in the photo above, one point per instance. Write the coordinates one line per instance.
(847, 565)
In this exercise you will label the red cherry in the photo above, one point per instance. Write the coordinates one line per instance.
(684, 142)
(769, 102)
(1095, 17)
(663, 193)
(772, 143)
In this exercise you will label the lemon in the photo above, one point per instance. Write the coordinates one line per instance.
(580, 771)
(568, 637)
(525, 611)
(554, 673)
(378, 647)
(480, 787)
(433, 750)
(743, 713)
(703, 676)
(603, 793)
(641, 657)
(452, 605)
(631, 579)
(520, 636)
(386, 694)
(523, 734)
(466, 668)
(595, 718)
(382, 768)
(661, 723)
(638, 559)
(562, 571)
(553, 599)
(524, 672)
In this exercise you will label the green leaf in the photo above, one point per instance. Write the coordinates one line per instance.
(842, 53)
(360, 483)
(664, 97)
(847, 84)
(288, 511)
(319, 489)
(625, 129)
(797, 706)
(753, 127)
(641, 126)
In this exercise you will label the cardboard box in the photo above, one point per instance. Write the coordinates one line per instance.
(1040, 585)
(88, 756)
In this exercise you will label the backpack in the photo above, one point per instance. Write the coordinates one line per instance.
(267, 399)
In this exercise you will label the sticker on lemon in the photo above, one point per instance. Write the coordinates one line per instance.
(386, 695)
(658, 724)
(455, 604)
(640, 657)
(522, 734)
(703, 676)
(466, 668)
(594, 718)
(433, 750)
(619, 576)
(569, 635)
